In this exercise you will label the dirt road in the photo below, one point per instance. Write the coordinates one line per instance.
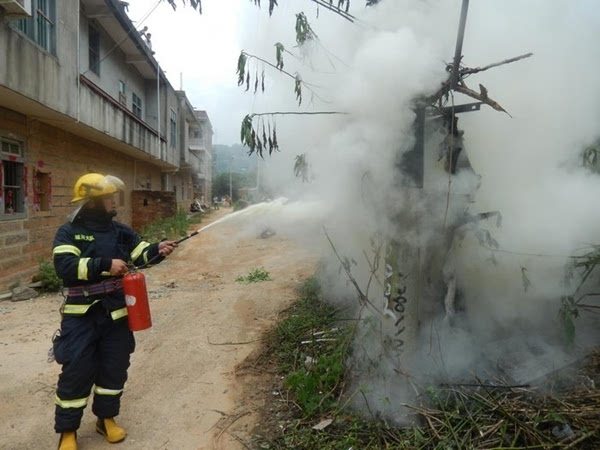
(181, 389)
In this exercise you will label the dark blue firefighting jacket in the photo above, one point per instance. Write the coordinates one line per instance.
(83, 252)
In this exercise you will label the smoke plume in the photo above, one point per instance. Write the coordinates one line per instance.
(506, 278)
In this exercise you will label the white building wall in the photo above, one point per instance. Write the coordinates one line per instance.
(113, 67)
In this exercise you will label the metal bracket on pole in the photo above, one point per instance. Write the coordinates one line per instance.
(458, 109)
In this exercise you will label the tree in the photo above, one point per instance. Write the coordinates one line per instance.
(261, 135)
(220, 185)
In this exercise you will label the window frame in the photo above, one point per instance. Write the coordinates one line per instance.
(122, 93)
(95, 68)
(173, 128)
(136, 105)
(43, 19)
(6, 157)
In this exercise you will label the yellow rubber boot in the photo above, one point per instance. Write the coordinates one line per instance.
(68, 441)
(109, 429)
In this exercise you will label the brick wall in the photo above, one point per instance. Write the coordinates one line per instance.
(148, 206)
(23, 242)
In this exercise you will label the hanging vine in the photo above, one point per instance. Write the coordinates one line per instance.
(260, 137)
(244, 74)
(196, 4)
(304, 31)
(298, 89)
(341, 9)
(279, 49)
(272, 5)
(255, 136)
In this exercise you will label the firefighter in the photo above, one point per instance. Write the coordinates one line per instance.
(91, 253)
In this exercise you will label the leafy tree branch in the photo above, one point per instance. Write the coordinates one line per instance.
(260, 135)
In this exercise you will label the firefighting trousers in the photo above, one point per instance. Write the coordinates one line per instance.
(94, 352)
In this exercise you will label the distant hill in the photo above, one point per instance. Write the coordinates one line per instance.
(241, 163)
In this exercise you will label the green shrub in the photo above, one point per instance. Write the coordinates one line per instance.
(47, 275)
(168, 228)
(195, 218)
(255, 276)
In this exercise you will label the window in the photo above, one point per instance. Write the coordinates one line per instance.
(173, 128)
(94, 49)
(12, 148)
(25, 26)
(40, 28)
(197, 134)
(12, 178)
(122, 95)
(42, 190)
(136, 106)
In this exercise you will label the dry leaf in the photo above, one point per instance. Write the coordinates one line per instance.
(323, 424)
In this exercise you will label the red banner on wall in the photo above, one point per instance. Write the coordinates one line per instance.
(49, 191)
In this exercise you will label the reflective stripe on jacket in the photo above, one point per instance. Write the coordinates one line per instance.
(83, 253)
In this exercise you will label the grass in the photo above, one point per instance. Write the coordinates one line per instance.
(254, 276)
(446, 417)
(173, 227)
(310, 332)
(195, 218)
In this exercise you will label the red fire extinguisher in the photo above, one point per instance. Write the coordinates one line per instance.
(136, 299)
(136, 294)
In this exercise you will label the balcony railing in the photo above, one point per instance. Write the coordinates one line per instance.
(107, 115)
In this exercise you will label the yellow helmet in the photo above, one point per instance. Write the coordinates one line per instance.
(96, 185)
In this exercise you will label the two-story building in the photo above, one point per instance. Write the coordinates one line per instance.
(81, 91)
(201, 146)
(195, 131)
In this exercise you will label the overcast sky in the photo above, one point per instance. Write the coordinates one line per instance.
(205, 49)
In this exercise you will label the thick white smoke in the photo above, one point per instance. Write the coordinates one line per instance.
(530, 167)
